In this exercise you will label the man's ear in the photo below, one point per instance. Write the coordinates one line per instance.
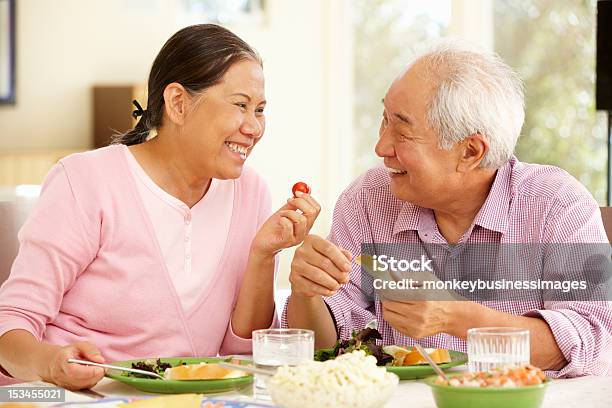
(473, 150)
(176, 100)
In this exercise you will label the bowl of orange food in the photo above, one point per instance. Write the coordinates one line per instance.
(522, 386)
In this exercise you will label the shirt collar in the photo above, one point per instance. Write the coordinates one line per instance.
(408, 218)
(493, 214)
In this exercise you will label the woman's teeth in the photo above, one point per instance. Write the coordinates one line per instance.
(236, 148)
(395, 171)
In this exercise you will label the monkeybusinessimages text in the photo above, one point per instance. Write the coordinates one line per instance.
(386, 263)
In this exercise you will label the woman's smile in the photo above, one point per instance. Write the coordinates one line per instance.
(237, 150)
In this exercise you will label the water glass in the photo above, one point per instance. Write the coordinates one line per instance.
(491, 348)
(273, 348)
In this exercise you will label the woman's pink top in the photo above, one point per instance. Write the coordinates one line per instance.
(191, 240)
(90, 268)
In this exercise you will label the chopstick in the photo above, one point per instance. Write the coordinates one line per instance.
(432, 363)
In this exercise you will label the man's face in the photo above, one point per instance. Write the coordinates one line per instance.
(420, 171)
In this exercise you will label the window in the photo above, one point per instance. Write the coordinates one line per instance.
(385, 33)
(551, 44)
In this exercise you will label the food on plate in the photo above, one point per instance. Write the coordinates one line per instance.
(201, 371)
(510, 377)
(184, 371)
(351, 380)
(362, 340)
(300, 186)
(167, 401)
(411, 356)
(154, 366)
(385, 355)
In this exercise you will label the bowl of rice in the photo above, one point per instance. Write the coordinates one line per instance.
(350, 380)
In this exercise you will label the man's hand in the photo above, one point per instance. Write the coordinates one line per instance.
(319, 268)
(418, 319)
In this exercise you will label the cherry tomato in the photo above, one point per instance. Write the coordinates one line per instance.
(300, 186)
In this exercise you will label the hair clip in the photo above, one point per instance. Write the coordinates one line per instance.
(139, 111)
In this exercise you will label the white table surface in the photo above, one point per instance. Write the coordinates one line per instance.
(584, 392)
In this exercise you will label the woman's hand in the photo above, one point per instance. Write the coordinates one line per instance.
(288, 226)
(57, 370)
(285, 228)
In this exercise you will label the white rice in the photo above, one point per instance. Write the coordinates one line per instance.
(350, 380)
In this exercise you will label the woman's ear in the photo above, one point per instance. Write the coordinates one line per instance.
(474, 148)
(176, 99)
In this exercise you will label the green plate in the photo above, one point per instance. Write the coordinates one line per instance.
(424, 370)
(530, 396)
(180, 387)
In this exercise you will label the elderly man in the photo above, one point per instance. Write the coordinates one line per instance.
(449, 127)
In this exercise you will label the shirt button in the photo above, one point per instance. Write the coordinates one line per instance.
(187, 238)
(187, 256)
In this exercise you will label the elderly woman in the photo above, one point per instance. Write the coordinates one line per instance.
(160, 246)
(449, 126)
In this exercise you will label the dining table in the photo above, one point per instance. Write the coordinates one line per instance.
(581, 392)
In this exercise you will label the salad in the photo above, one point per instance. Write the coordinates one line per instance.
(364, 340)
(154, 366)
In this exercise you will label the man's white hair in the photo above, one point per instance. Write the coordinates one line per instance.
(476, 93)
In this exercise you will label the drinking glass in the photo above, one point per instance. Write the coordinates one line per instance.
(273, 348)
(491, 348)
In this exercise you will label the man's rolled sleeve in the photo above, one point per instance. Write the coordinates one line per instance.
(582, 333)
(348, 315)
(335, 307)
(582, 329)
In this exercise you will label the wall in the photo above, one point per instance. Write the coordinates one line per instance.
(66, 46)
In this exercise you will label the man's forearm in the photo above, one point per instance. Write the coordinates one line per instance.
(312, 313)
(545, 352)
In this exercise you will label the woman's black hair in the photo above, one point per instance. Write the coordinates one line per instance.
(197, 57)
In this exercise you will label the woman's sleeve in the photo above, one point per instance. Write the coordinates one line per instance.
(55, 245)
